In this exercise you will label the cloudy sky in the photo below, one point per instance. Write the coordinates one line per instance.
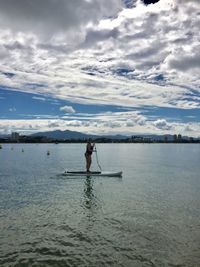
(99, 66)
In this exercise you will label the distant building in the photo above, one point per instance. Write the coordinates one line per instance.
(136, 139)
(15, 136)
(175, 137)
(191, 139)
(179, 137)
(147, 140)
(165, 139)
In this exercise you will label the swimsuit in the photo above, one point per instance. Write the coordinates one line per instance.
(88, 152)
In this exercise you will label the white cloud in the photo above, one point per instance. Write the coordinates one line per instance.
(13, 109)
(188, 128)
(102, 126)
(113, 46)
(129, 123)
(39, 98)
(162, 124)
(67, 109)
(112, 124)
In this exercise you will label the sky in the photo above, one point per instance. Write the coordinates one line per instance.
(100, 67)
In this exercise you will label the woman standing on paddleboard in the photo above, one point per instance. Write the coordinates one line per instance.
(88, 154)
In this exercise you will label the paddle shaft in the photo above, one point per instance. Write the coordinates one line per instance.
(97, 157)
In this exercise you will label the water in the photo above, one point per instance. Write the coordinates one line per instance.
(149, 217)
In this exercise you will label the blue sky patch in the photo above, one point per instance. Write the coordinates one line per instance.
(20, 105)
(172, 114)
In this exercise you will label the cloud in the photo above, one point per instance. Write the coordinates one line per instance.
(39, 98)
(188, 128)
(67, 109)
(106, 45)
(55, 124)
(185, 63)
(13, 109)
(112, 124)
(100, 126)
(54, 17)
(129, 123)
(162, 124)
(94, 36)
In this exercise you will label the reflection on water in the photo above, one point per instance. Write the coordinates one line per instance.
(88, 193)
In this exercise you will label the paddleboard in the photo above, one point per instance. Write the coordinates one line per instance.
(94, 173)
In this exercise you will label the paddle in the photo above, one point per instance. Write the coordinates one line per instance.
(97, 157)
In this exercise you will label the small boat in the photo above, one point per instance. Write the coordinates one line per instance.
(93, 173)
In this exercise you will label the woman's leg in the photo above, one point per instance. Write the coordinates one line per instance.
(88, 162)
(86, 159)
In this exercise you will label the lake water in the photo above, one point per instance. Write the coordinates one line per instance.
(149, 217)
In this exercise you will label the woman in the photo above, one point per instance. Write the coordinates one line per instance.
(88, 154)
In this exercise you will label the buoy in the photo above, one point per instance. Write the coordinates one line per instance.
(22, 150)
(48, 153)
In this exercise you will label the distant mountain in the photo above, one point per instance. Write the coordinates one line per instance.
(63, 135)
(163, 137)
(4, 136)
(66, 135)
(116, 137)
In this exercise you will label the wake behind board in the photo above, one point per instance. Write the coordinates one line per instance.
(95, 173)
